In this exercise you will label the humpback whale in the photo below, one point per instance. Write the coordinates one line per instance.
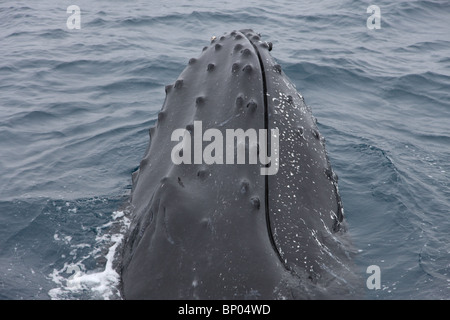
(225, 231)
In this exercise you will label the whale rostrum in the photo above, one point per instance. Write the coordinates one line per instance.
(257, 216)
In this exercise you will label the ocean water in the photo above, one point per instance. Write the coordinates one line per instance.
(76, 106)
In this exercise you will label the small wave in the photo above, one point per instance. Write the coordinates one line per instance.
(129, 84)
(35, 117)
(412, 8)
(324, 75)
(54, 34)
(424, 46)
(9, 68)
(85, 66)
(97, 22)
(420, 79)
(18, 34)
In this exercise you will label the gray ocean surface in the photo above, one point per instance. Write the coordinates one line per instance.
(76, 106)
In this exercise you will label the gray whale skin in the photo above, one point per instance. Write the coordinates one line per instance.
(222, 231)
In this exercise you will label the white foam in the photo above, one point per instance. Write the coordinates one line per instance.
(74, 281)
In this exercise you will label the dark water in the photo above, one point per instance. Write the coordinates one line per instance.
(76, 105)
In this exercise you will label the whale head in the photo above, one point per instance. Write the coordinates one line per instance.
(235, 196)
